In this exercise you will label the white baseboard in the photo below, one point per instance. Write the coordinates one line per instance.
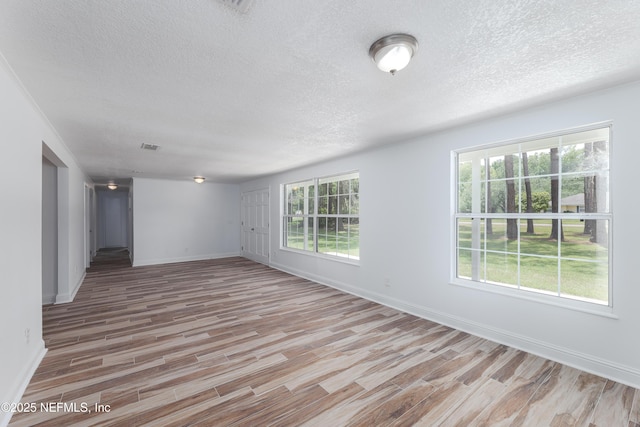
(48, 299)
(184, 259)
(23, 381)
(65, 298)
(585, 362)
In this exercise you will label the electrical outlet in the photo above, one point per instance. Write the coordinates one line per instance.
(387, 282)
(27, 335)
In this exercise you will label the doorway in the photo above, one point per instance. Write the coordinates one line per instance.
(113, 218)
(49, 231)
(89, 243)
(255, 225)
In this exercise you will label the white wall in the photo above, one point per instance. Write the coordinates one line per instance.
(177, 221)
(406, 235)
(22, 133)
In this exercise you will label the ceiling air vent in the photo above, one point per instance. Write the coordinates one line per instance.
(151, 147)
(241, 6)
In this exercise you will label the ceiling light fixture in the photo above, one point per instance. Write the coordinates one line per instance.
(112, 186)
(198, 179)
(392, 53)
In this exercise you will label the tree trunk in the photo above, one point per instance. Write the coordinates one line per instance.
(556, 225)
(527, 186)
(590, 204)
(512, 223)
(599, 234)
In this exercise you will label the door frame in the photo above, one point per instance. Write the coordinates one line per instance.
(245, 224)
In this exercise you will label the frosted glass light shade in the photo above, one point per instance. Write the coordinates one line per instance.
(393, 53)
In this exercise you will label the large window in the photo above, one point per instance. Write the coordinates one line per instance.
(322, 215)
(534, 216)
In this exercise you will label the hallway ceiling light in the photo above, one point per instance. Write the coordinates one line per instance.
(198, 179)
(392, 53)
(112, 186)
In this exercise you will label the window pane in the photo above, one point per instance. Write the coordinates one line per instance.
(323, 189)
(344, 187)
(496, 235)
(332, 208)
(288, 198)
(310, 207)
(573, 158)
(502, 268)
(572, 193)
(311, 246)
(322, 234)
(539, 274)
(588, 149)
(355, 204)
(464, 197)
(585, 239)
(540, 194)
(331, 226)
(355, 185)
(583, 279)
(534, 237)
(343, 204)
(327, 237)
(342, 234)
(596, 156)
(354, 238)
(464, 233)
(496, 168)
(323, 205)
(295, 233)
(465, 264)
(590, 192)
(537, 163)
(464, 170)
(322, 225)
(497, 197)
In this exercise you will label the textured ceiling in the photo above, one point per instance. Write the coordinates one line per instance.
(232, 95)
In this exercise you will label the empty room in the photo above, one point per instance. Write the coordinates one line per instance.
(319, 213)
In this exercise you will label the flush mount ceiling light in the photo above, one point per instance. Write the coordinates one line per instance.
(198, 179)
(392, 53)
(112, 186)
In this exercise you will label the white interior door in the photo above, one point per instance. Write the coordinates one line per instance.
(113, 219)
(255, 225)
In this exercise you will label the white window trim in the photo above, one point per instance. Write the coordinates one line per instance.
(574, 303)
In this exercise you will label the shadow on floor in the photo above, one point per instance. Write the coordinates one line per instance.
(110, 259)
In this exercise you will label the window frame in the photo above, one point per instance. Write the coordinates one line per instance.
(517, 290)
(311, 217)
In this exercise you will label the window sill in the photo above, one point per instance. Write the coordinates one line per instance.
(567, 303)
(336, 258)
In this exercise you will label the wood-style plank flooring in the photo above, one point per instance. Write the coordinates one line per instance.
(234, 343)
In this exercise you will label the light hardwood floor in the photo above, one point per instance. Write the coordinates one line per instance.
(234, 343)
